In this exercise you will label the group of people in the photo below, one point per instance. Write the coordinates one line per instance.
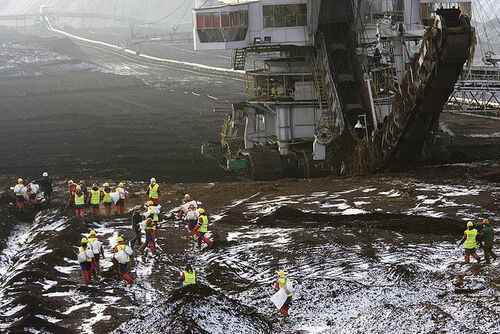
(34, 191)
(144, 218)
(484, 237)
(80, 195)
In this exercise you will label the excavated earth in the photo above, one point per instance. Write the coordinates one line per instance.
(371, 254)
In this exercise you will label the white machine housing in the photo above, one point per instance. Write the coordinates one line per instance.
(236, 25)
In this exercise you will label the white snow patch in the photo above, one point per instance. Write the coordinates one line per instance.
(353, 212)
(390, 193)
(47, 318)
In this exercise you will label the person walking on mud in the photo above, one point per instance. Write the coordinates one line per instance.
(123, 265)
(84, 189)
(78, 198)
(106, 198)
(153, 191)
(46, 186)
(469, 241)
(191, 216)
(150, 228)
(282, 283)
(120, 204)
(94, 199)
(85, 261)
(201, 229)
(98, 250)
(136, 220)
(18, 191)
(188, 276)
(486, 236)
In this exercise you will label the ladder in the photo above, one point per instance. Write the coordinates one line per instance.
(238, 59)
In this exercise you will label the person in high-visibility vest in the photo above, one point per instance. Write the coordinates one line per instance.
(202, 228)
(156, 219)
(78, 198)
(98, 251)
(123, 267)
(87, 264)
(150, 241)
(19, 195)
(469, 241)
(106, 198)
(188, 276)
(120, 204)
(281, 283)
(94, 199)
(153, 191)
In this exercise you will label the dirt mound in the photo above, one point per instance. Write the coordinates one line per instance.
(197, 309)
(285, 216)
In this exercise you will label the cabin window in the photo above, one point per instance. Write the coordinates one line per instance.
(282, 16)
(222, 26)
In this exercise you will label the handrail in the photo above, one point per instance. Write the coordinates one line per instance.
(333, 117)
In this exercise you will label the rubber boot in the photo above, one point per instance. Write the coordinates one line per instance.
(152, 246)
(127, 278)
(476, 257)
(116, 209)
(122, 209)
(108, 210)
(467, 256)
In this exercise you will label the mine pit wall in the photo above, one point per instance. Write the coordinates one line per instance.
(428, 82)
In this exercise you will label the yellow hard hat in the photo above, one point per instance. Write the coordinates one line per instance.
(201, 210)
(19, 180)
(186, 196)
(92, 232)
(78, 188)
(121, 184)
(106, 184)
(281, 273)
(153, 180)
(486, 221)
(70, 182)
(150, 203)
(119, 239)
(470, 224)
(152, 212)
(84, 240)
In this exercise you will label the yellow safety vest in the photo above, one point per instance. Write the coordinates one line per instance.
(470, 242)
(282, 283)
(189, 278)
(107, 198)
(153, 191)
(96, 196)
(122, 193)
(81, 250)
(150, 227)
(204, 225)
(21, 186)
(91, 240)
(155, 217)
(79, 200)
(119, 248)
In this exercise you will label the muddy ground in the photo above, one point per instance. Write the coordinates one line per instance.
(368, 254)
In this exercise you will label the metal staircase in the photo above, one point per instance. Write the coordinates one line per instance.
(238, 59)
(329, 103)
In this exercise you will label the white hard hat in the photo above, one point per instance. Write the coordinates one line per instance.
(45, 174)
